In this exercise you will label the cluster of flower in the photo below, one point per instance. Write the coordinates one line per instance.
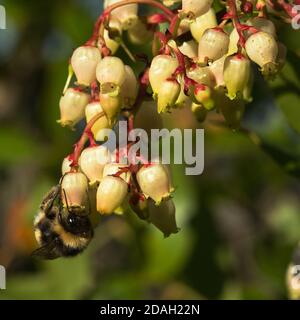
(198, 63)
(215, 72)
(106, 187)
(211, 71)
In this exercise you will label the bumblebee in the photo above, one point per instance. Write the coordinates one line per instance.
(61, 231)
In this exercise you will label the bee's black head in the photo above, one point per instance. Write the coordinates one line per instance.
(57, 239)
(76, 223)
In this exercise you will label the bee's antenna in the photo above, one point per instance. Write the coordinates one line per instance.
(62, 178)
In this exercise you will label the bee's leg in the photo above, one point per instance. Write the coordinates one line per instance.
(49, 198)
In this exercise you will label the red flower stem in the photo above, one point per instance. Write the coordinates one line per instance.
(91, 138)
(288, 8)
(144, 82)
(163, 39)
(169, 15)
(157, 18)
(121, 171)
(174, 25)
(182, 70)
(78, 147)
(236, 21)
(94, 91)
(180, 59)
(152, 3)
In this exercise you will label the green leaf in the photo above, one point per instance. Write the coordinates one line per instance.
(287, 160)
(218, 6)
(286, 89)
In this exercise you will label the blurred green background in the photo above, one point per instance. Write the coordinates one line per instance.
(240, 219)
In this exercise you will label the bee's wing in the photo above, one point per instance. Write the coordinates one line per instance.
(47, 252)
(49, 198)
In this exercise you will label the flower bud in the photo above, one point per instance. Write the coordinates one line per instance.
(167, 95)
(163, 216)
(115, 29)
(127, 14)
(66, 165)
(111, 193)
(203, 95)
(237, 69)
(262, 48)
(263, 24)
(199, 111)
(84, 62)
(154, 182)
(201, 75)
(72, 105)
(183, 100)
(129, 88)
(140, 207)
(74, 186)
(114, 168)
(92, 162)
(189, 49)
(111, 70)
(293, 281)
(111, 102)
(111, 170)
(213, 45)
(184, 26)
(139, 33)
(232, 110)
(101, 124)
(202, 23)
(162, 67)
(217, 69)
(195, 8)
(247, 7)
